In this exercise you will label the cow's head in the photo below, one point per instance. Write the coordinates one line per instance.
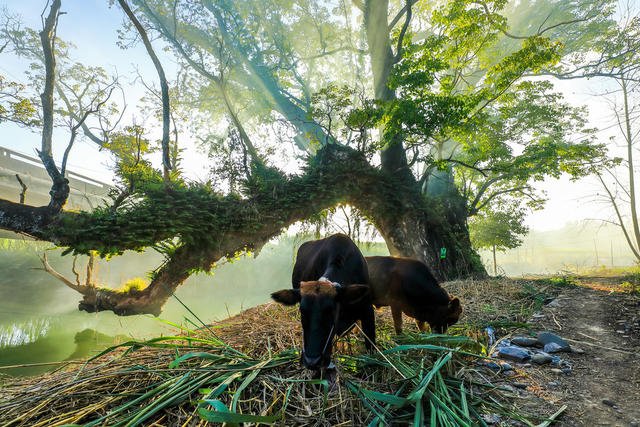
(320, 304)
(445, 316)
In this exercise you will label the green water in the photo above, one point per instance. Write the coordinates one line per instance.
(40, 322)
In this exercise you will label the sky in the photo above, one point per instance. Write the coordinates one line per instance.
(92, 26)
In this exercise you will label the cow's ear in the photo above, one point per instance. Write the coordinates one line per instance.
(353, 293)
(287, 296)
(454, 307)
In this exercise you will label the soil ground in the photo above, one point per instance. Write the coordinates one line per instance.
(603, 386)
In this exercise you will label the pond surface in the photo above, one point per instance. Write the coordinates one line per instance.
(40, 322)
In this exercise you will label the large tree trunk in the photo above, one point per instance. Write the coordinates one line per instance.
(431, 229)
(393, 156)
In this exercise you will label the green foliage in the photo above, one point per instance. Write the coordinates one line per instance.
(79, 88)
(130, 148)
(14, 106)
(197, 216)
(561, 280)
(345, 115)
(422, 365)
(632, 286)
(136, 284)
(23, 246)
(537, 296)
(499, 230)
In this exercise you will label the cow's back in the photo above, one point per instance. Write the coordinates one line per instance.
(407, 278)
(335, 257)
(380, 271)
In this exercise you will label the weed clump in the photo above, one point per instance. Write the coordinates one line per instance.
(136, 284)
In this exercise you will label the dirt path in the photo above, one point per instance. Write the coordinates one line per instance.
(603, 387)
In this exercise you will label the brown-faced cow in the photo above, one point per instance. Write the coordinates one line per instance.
(408, 286)
(330, 282)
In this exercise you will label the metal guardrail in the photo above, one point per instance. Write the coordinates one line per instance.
(86, 193)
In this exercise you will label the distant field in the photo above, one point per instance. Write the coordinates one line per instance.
(575, 247)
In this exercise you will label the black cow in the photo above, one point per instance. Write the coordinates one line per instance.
(407, 285)
(329, 281)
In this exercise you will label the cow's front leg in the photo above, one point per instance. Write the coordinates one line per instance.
(397, 318)
(369, 327)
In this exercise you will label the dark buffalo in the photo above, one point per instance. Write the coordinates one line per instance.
(330, 282)
(408, 286)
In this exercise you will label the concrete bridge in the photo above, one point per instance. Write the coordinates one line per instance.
(86, 193)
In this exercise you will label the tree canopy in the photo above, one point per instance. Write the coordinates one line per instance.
(418, 115)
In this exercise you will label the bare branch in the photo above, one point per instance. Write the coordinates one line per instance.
(328, 53)
(46, 267)
(47, 38)
(164, 87)
(24, 189)
(90, 264)
(60, 188)
(620, 221)
(540, 29)
(74, 131)
(75, 270)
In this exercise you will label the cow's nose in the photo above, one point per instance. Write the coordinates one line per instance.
(312, 362)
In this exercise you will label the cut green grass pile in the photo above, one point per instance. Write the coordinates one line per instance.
(246, 370)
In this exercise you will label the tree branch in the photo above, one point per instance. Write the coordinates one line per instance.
(483, 172)
(60, 188)
(403, 31)
(621, 222)
(497, 193)
(401, 13)
(485, 186)
(359, 4)
(46, 267)
(24, 189)
(74, 132)
(164, 87)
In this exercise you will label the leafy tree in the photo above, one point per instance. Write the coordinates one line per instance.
(417, 116)
(497, 231)
(81, 93)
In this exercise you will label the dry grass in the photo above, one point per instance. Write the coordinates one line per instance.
(266, 379)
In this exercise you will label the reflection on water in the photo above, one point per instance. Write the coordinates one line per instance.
(66, 336)
(23, 332)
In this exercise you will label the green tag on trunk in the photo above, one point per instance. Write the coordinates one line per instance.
(443, 252)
